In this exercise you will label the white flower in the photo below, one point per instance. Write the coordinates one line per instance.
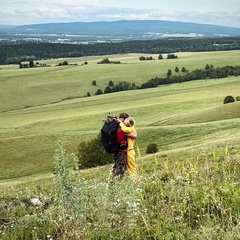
(35, 201)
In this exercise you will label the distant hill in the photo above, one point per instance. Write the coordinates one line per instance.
(137, 29)
(6, 28)
(218, 113)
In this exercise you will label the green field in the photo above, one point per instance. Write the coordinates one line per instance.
(35, 113)
(188, 190)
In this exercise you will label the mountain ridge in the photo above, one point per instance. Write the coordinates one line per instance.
(123, 27)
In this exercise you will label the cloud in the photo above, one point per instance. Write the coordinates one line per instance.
(215, 18)
(58, 12)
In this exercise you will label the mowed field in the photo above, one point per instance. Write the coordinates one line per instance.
(41, 106)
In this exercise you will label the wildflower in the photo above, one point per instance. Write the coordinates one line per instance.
(155, 159)
(214, 154)
(35, 201)
(172, 181)
(138, 151)
(166, 167)
(226, 150)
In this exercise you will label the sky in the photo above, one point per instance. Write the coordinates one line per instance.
(24, 12)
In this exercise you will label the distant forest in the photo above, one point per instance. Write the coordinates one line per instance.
(16, 53)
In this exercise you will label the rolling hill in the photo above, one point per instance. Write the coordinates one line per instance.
(123, 30)
(129, 27)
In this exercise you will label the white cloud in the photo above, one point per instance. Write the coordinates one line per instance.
(45, 11)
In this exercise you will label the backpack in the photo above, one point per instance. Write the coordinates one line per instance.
(109, 134)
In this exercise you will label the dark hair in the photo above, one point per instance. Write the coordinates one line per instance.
(123, 115)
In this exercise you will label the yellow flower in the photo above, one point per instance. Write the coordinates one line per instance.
(226, 150)
(138, 151)
(166, 167)
(214, 154)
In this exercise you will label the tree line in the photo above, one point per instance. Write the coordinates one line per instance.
(16, 53)
(209, 72)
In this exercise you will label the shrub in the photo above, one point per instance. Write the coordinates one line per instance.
(98, 92)
(152, 148)
(92, 154)
(228, 99)
(238, 98)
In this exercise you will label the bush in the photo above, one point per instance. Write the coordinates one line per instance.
(152, 148)
(228, 99)
(238, 98)
(92, 154)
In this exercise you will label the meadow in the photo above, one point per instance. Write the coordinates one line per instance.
(179, 188)
(40, 106)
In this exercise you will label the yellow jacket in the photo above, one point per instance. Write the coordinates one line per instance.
(128, 130)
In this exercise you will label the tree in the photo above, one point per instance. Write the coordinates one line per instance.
(98, 92)
(111, 84)
(228, 99)
(176, 69)
(88, 94)
(107, 90)
(94, 83)
(160, 56)
(171, 56)
(184, 69)
(31, 64)
(169, 73)
(105, 60)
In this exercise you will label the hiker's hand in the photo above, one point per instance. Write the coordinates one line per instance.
(119, 120)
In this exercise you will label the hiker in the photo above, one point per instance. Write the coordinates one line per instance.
(128, 127)
(120, 156)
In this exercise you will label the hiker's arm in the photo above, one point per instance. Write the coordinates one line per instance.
(133, 134)
(125, 128)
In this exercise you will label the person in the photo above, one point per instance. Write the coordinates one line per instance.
(120, 156)
(128, 127)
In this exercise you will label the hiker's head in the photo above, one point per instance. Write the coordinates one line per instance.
(123, 115)
(129, 122)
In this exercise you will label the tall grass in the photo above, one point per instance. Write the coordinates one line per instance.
(183, 195)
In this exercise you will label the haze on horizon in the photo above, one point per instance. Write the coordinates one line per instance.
(216, 12)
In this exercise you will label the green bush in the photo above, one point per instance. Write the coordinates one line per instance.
(152, 148)
(228, 99)
(92, 154)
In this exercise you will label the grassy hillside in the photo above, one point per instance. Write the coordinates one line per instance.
(35, 113)
(22, 88)
(188, 190)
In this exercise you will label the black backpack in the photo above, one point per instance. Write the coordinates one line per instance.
(109, 136)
